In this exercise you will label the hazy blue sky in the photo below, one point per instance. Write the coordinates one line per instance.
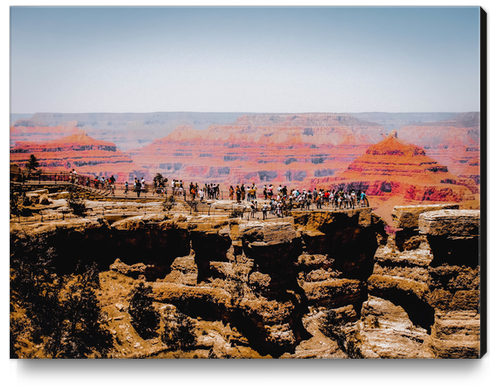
(245, 59)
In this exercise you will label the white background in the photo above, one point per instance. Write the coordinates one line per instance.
(209, 372)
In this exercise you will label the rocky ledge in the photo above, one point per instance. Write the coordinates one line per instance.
(313, 285)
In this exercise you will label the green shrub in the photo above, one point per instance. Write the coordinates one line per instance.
(62, 312)
(82, 332)
(177, 330)
(144, 317)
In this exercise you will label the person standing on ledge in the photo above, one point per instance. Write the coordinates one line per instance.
(238, 193)
(264, 212)
(138, 187)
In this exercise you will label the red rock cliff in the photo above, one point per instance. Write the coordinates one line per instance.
(79, 151)
(396, 167)
(261, 148)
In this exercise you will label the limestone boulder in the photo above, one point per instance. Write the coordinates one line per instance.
(459, 223)
(67, 227)
(133, 271)
(386, 331)
(456, 334)
(333, 292)
(408, 216)
(382, 285)
(59, 195)
(39, 197)
(260, 234)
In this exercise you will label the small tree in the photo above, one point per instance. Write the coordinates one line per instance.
(62, 315)
(32, 164)
(144, 317)
(34, 285)
(177, 330)
(14, 203)
(168, 203)
(330, 326)
(83, 331)
(159, 180)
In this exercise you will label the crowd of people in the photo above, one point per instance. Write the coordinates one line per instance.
(208, 191)
(301, 198)
(278, 203)
(240, 192)
(103, 183)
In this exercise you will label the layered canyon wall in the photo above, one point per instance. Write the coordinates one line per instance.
(314, 285)
(394, 167)
(78, 151)
(454, 142)
(279, 148)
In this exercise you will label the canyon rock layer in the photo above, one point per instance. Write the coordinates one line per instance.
(454, 142)
(78, 151)
(313, 285)
(279, 148)
(396, 167)
(300, 149)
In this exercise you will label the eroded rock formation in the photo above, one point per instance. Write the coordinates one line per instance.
(396, 167)
(314, 285)
(260, 148)
(79, 151)
(429, 268)
(454, 142)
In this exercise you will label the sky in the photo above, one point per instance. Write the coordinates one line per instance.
(244, 59)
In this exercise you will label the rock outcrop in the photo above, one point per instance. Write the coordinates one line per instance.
(454, 281)
(430, 268)
(314, 285)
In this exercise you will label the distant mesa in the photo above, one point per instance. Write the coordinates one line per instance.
(23, 131)
(126, 130)
(462, 130)
(396, 167)
(304, 150)
(80, 151)
(454, 142)
(261, 148)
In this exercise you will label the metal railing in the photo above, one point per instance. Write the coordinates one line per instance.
(150, 187)
(164, 192)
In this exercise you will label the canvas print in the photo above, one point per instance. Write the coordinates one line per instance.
(245, 182)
